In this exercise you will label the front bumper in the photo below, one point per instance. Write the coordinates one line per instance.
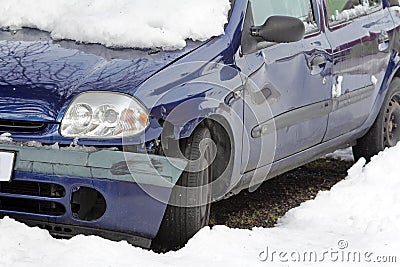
(135, 188)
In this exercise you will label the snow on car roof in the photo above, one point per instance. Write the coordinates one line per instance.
(120, 23)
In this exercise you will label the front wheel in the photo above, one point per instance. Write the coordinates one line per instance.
(386, 130)
(190, 201)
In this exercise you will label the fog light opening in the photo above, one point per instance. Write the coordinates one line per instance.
(88, 204)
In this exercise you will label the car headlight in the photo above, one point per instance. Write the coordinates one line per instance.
(104, 115)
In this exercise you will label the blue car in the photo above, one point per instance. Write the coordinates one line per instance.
(134, 144)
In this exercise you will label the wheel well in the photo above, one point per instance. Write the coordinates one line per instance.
(397, 74)
(222, 135)
(178, 222)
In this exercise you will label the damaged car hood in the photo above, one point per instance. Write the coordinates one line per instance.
(39, 76)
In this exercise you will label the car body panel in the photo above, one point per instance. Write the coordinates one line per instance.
(136, 187)
(359, 68)
(286, 96)
(129, 208)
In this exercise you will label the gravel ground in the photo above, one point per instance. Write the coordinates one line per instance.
(275, 197)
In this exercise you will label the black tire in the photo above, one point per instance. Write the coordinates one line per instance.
(183, 221)
(386, 130)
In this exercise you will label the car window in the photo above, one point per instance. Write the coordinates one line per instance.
(344, 10)
(302, 9)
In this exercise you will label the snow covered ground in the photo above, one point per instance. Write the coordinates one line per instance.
(120, 23)
(356, 223)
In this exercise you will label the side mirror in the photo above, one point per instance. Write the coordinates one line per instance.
(280, 29)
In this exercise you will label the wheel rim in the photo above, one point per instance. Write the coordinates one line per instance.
(392, 122)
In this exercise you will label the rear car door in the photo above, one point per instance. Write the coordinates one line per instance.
(361, 34)
(287, 86)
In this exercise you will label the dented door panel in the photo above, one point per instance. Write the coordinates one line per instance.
(361, 53)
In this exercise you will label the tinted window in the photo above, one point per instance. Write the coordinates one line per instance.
(263, 9)
(343, 10)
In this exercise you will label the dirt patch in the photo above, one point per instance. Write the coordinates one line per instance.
(275, 197)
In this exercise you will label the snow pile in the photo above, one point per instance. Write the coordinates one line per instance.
(6, 138)
(342, 154)
(355, 224)
(351, 13)
(120, 23)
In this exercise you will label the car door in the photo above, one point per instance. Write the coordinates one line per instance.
(287, 86)
(360, 33)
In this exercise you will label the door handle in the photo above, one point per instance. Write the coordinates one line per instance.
(383, 41)
(318, 64)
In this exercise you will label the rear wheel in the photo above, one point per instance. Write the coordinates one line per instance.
(386, 130)
(190, 201)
